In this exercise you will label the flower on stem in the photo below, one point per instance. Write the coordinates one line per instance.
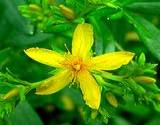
(78, 65)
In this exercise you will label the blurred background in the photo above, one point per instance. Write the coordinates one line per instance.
(65, 107)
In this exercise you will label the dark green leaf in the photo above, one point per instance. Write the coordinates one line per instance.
(20, 39)
(103, 12)
(104, 41)
(145, 7)
(149, 34)
(76, 5)
(5, 29)
(12, 15)
(25, 115)
(4, 56)
(151, 87)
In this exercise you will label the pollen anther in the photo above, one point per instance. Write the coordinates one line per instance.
(77, 67)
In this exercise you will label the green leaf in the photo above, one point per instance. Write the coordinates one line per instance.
(136, 88)
(5, 28)
(78, 6)
(151, 87)
(13, 17)
(2, 122)
(4, 56)
(20, 39)
(109, 3)
(103, 12)
(5, 87)
(120, 121)
(104, 41)
(24, 115)
(6, 106)
(145, 7)
(142, 59)
(149, 34)
(4, 53)
(136, 109)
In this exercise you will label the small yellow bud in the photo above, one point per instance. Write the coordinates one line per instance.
(67, 12)
(49, 108)
(145, 79)
(34, 7)
(51, 1)
(94, 114)
(112, 99)
(68, 103)
(11, 93)
(131, 36)
(158, 97)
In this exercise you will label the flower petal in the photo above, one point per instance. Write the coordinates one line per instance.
(55, 83)
(82, 40)
(45, 56)
(111, 61)
(90, 89)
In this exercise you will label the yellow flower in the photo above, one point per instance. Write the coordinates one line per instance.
(78, 65)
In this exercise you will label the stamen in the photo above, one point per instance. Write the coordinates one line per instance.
(67, 48)
(77, 67)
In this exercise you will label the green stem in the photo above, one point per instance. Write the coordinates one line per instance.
(11, 78)
(109, 76)
(35, 85)
(119, 47)
(22, 82)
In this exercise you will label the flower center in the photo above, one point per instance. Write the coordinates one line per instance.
(77, 67)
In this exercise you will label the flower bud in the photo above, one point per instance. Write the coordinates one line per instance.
(131, 36)
(34, 7)
(94, 114)
(67, 102)
(51, 1)
(67, 12)
(145, 79)
(11, 93)
(112, 99)
(158, 97)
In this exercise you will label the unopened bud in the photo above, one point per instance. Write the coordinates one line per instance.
(112, 99)
(51, 1)
(145, 79)
(67, 12)
(34, 7)
(68, 103)
(94, 114)
(11, 93)
(158, 97)
(131, 36)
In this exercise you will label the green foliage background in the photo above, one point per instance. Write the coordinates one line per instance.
(113, 21)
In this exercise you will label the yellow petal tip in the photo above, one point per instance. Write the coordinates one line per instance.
(30, 50)
(112, 60)
(94, 105)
